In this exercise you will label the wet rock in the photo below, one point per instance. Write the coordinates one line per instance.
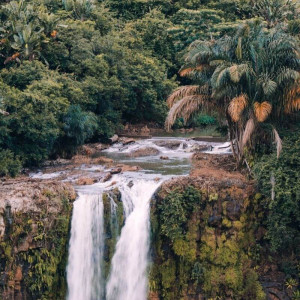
(127, 141)
(103, 160)
(85, 181)
(147, 151)
(173, 145)
(164, 157)
(81, 159)
(130, 184)
(107, 177)
(128, 168)
(100, 146)
(116, 171)
(114, 139)
(200, 148)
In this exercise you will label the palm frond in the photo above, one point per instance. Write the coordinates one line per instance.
(250, 126)
(262, 110)
(188, 70)
(278, 142)
(184, 108)
(237, 106)
(181, 92)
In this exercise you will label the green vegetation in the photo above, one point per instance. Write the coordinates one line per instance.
(194, 256)
(250, 77)
(74, 71)
(35, 250)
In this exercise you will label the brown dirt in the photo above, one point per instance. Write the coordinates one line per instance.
(215, 166)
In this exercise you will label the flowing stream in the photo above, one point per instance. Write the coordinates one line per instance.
(127, 276)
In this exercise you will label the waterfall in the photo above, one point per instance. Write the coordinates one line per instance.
(128, 276)
(84, 270)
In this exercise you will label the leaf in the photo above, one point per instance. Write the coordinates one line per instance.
(183, 91)
(185, 108)
(237, 106)
(262, 110)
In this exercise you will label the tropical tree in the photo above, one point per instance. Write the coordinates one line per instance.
(250, 78)
(276, 11)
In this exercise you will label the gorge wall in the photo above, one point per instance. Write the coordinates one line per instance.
(34, 231)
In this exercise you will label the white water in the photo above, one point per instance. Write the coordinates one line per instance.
(128, 278)
(128, 274)
(84, 270)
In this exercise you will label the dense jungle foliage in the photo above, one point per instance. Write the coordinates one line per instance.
(76, 70)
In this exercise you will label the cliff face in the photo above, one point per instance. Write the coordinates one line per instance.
(205, 233)
(34, 230)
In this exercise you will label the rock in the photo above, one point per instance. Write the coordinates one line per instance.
(81, 159)
(85, 181)
(164, 157)
(86, 150)
(130, 184)
(200, 148)
(147, 151)
(116, 171)
(107, 177)
(100, 147)
(127, 141)
(114, 139)
(173, 145)
(103, 160)
(128, 168)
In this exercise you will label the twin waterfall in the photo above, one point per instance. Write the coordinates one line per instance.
(127, 278)
(110, 238)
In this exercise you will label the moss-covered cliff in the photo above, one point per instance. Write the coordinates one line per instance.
(35, 218)
(206, 237)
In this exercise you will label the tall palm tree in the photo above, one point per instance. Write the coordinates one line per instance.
(249, 78)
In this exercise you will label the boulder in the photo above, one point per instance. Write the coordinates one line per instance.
(128, 168)
(85, 181)
(114, 139)
(200, 148)
(103, 160)
(173, 145)
(107, 177)
(164, 157)
(147, 151)
(127, 141)
(115, 170)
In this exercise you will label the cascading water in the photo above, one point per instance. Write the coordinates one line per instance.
(84, 270)
(128, 277)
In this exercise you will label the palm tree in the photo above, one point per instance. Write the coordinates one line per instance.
(249, 78)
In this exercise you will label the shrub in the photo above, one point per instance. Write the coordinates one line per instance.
(9, 164)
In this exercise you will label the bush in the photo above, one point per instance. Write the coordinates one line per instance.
(9, 164)
(283, 207)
